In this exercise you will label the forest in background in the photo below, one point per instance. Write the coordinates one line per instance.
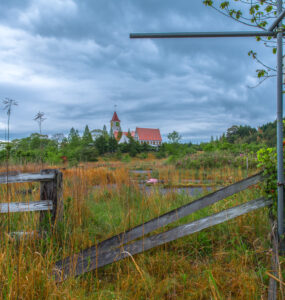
(238, 140)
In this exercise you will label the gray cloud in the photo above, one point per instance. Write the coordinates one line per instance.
(74, 61)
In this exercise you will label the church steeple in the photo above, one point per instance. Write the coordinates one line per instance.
(115, 123)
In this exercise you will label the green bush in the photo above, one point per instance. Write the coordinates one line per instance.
(126, 158)
(216, 159)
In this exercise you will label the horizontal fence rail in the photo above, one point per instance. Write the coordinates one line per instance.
(14, 207)
(95, 260)
(28, 177)
(160, 221)
(50, 204)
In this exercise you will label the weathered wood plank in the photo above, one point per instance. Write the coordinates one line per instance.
(94, 259)
(26, 206)
(172, 216)
(52, 190)
(272, 288)
(27, 177)
(27, 235)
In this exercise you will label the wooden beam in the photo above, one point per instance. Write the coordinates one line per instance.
(81, 264)
(272, 287)
(171, 216)
(27, 177)
(26, 206)
(52, 190)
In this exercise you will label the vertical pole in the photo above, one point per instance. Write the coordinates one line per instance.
(52, 190)
(280, 169)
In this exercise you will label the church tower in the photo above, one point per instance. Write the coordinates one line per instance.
(115, 123)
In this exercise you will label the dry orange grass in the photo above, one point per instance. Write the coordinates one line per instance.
(227, 261)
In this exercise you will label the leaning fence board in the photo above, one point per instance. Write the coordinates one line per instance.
(27, 177)
(94, 260)
(26, 206)
(171, 216)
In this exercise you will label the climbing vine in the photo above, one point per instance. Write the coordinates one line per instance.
(267, 158)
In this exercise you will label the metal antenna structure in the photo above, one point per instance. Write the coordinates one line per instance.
(39, 117)
(275, 30)
(8, 103)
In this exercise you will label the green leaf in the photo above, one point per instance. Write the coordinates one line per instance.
(238, 14)
(261, 73)
(224, 5)
(208, 2)
(269, 8)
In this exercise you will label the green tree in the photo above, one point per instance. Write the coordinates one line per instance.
(174, 137)
(120, 133)
(73, 137)
(101, 144)
(105, 132)
(87, 137)
(112, 144)
(96, 133)
(58, 138)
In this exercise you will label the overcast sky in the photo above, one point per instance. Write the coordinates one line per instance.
(74, 61)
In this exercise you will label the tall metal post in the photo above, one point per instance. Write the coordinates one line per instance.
(280, 169)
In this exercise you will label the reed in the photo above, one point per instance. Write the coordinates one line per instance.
(101, 199)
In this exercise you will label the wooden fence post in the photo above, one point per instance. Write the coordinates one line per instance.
(52, 190)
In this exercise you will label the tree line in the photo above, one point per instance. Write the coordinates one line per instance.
(72, 148)
(91, 145)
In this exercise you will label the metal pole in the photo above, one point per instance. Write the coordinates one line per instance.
(277, 21)
(280, 169)
(201, 34)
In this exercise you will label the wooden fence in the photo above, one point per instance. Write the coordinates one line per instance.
(50, 194)
(128, 243)
(133, 241)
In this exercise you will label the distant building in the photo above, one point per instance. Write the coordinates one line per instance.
(124, 139)
(150, 136)
(115, 123)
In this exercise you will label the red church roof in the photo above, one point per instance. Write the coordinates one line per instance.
(148, 134)
(115, 117)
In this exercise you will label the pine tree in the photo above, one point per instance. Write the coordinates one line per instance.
(73, 137)
(87, 137)
(113, 144)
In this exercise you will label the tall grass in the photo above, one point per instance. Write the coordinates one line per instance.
(228, 261)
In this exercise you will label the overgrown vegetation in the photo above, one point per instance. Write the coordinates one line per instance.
(230, 260)
(108, 196)
(237, 144)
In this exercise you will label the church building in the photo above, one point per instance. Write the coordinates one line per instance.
(150, 136)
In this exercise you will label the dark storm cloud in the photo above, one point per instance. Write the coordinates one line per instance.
(74, 61)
